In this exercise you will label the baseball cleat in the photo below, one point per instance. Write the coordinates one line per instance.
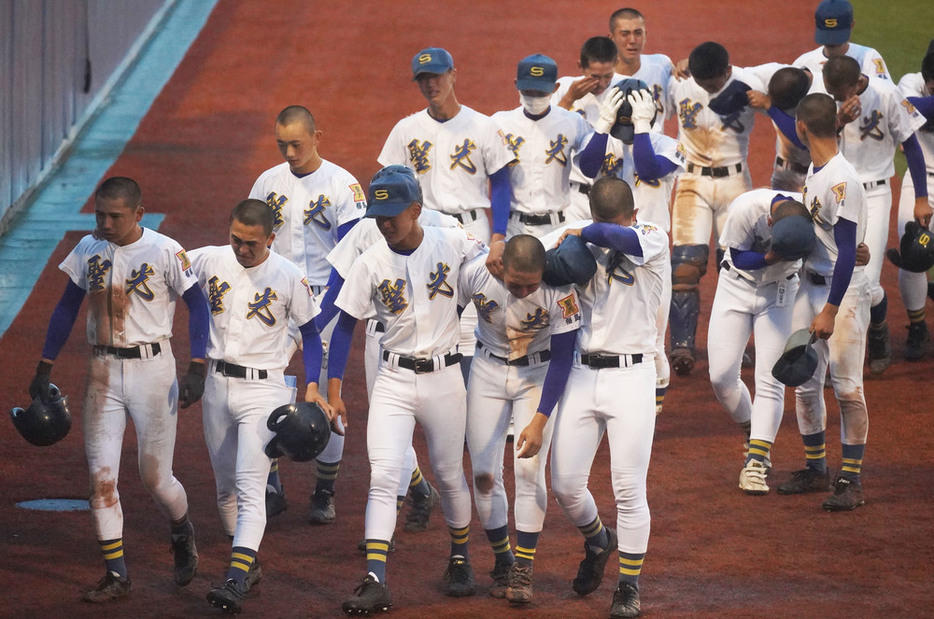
(500, 576)
(806, 480)
(416, 520)
(254, 575)
(682, 361)
(228, 597)
(111, 587)
(917, 345)
(590, 570)
(879, 349)
(626, 601)
(847, 495)
(275, 501)
(752, 478)
(186, 558)
(322, 509)
(369, 597)
(458, 578)
(520, 584)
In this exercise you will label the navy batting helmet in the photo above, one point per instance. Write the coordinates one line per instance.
(622, 129)
(569, 263)
(42, 423)
(917, 249)
(798, 361)
(392, 190)
(302, 431)
(793, 237)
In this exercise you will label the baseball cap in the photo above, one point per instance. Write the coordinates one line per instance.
(537, 72)
(834, 19)
(798, 361)
(392, 190)
(432, 60)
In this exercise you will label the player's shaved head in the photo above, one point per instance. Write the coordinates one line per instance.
(611, 199)
(297, 114)
(598, 49)
(841, 72)
(251, 212)
(927, 64)
(787, 208)
(788, 86)
(818, 112)
(524, 253)
(708, 60)
(626, 13)
(121, 188)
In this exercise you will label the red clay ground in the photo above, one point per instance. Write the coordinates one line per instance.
(713, 552)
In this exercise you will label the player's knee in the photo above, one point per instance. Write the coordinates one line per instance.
(103, 491)
(483, 483)
(568, 492)
(688, 265)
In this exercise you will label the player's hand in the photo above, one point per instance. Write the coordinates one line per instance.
(530, 439)
(822, 325)
(770, 257)
(578, 89)
(608, 110)
(39, 387)
(313, 396)
(849, 110)
(758, 99)
(681, 70)
(337, 411)
(494, 261)
(191, 386)
(923, 211)
(862, 255)
(567, 233)
(643, 110)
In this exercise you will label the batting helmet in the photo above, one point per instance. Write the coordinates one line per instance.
(392, 190)
(622, 129)
(798, 361)
(917, 249)
(569, 263)
(793, 237)
(42, 423)
(302, 431)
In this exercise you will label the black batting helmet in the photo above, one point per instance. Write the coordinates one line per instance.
(302, 431)
(623, 129)
(44, 424)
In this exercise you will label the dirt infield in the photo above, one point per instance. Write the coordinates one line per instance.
(713, 551)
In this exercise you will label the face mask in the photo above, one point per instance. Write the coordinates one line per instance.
(534, 105)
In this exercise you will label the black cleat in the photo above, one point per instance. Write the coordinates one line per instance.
(275, 502)
(847, 495)
(458, 578)
(917, 345)
(590, 570)
(416, 520)
(110, 587)
(186, 558)
(322, 509)
(369, 597)
(626, 601)
(228, 597)
(806, 480)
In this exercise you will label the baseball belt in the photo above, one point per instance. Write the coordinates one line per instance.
(872, 184)
(136, 352)
(817, 279)
(524, 361)
(596, 362)
(466, 217)
(791, 165)
(735, 274)
(422, 366)
(238, 371)
(538, 220)
(719, 172)
(582, 188)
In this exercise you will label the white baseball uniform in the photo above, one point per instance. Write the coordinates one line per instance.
(131, 292)
(870, 62)
(539, 176)
(611, 387)
(655, 70)
(750, 302)
(506, 379)
(419, 379)
(250, 313)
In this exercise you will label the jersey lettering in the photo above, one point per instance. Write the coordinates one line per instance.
(439, 282)
(216, 294)
(816, 215)
(461, 157)
(614, 270)
(418, 153)
(656, 183)
(869, 127)
(657, 97)
(276, 202)
(732, 122)
(485, 307)
(611, 165)
(260, 307)
(315, 212)
(97, 269)
(514, 143)
(536, 321)
(555, 151)
(392, 295)
(688, 112)
(568, 306)
(137, 282)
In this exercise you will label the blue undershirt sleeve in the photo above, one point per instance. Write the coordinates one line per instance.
(612, 236)
(311, 352)
(500, 197)
(925, 105)
(559, 367)
(844, 235)
(916, 166)
(199, 321)
(785, 124)
(591, 158)
(339, 349)
(328, 309)
(649, 166)
(344, 228)
(62, 320)
(747, 260)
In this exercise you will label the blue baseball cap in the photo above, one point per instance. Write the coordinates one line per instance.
(537, 72)
(834, 20)
(392, 190)
(432, 60)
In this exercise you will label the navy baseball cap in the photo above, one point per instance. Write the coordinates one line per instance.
(537, 72)
(392, 190)
(834, 19)
(432, 60)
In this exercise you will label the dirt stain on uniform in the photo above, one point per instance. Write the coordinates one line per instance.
(484, 482)
(103, 489)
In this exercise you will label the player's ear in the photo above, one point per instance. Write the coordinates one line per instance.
(270, 239)
(138, 214)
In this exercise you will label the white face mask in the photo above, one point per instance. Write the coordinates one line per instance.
(535, 105)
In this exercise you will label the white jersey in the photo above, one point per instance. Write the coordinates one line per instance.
(652, 197)
(709, 139)
(454, 159)
(887, 120)
(308, 211)
(833, 192)
(414, 296)
(912, 85)
(512, 328)
(747, 229)
(655, 71)
(543, 151)
(251, 307)
(131, 289)
(870, 62)
(619, 305)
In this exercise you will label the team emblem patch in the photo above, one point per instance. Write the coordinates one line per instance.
(307, 287)
(568, 306)
(647, 229)
(357, 191)
(137, 282)
(839, 192)
(183, 258)
(260, 307)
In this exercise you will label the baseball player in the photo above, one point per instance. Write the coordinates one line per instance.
(833, 303)
(131, 276)
(525, 342)
(315, 203)
(649, 162)
(543, 139)
(585, 95)
(253, 293)
(410, 284)
(755, 294)
(715, 122)
(610, 389)
(918, 88)
(877, 118)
